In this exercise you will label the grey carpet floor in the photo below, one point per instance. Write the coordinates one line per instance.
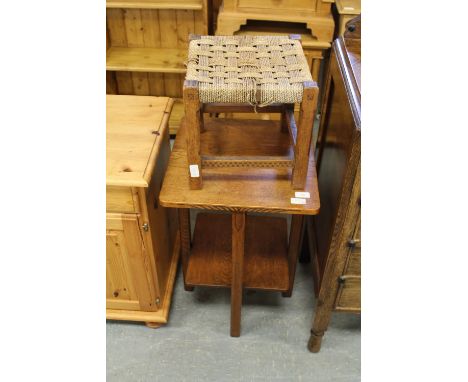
(195, 345)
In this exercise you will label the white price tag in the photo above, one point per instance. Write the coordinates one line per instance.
(298, 201)
(348, 8)
(194, 171)
(302, 194)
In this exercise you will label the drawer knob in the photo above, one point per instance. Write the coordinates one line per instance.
(353, 242)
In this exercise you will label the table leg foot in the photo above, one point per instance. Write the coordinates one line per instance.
(315, 342)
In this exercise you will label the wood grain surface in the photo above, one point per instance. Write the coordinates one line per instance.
(133, 137)
(265, 252)
(238, 189)
(160, 60)
(156, 4)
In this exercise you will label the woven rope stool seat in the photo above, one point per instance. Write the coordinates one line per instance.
(266, 74)
(248, 69)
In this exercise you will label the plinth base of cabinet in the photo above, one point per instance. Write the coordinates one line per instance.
(266, 250)
(160, 316)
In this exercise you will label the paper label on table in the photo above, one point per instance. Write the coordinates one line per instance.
(348, 8)
(194, 171)
(302, 194)
(298, 201)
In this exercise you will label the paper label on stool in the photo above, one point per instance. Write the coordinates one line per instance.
(194, 172)
(302, 194)
(298, 201)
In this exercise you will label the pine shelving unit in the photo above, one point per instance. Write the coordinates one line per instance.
(147, 43)
(158, 60)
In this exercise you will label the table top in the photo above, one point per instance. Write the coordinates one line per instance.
(348, 7)
(134, 132)
(238, 189)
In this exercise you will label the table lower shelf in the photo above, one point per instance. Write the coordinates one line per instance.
(265, 253)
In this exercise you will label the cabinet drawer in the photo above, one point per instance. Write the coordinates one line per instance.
(284, 4)
(119, 199)
(353, 263)
(349, 294)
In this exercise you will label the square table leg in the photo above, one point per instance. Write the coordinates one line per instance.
(185, 241)
(294, 246)
(238, 238)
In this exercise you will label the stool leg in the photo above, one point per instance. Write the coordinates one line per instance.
(284, 123)
(193, 127)
(238, 236)
(304, 135)
(295, 236)
(184, 232)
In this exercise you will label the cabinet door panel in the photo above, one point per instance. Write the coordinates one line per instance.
(129, 277)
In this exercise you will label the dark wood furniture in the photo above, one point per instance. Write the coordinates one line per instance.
(335, 234)
(239, 250)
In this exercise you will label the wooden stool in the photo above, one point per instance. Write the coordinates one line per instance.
(249, 74)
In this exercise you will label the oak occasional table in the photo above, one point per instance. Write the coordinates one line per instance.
(142, 249)
(238, 250)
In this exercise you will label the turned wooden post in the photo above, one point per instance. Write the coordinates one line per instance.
(304, 134)
(193, 127)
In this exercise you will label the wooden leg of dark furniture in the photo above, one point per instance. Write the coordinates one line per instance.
(295, 235)
(193, 127)
(315, 342)
(238, 236)
(324, 306)
(320, 325)
(304, 135)
(185, 240)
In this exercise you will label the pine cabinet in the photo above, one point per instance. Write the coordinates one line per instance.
(141, 246)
